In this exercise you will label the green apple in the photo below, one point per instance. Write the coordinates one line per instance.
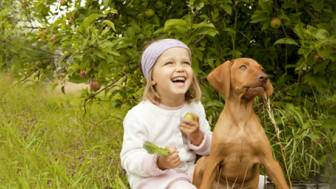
(149, 12)
(276, 22)
(190, 116)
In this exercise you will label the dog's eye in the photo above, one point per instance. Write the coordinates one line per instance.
(243, 67)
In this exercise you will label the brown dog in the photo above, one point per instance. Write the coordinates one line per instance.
(239, 143)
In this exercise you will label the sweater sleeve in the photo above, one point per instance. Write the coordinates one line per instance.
(204, 147)
(134, 158)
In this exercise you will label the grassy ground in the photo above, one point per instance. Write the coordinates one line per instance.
(46, 142)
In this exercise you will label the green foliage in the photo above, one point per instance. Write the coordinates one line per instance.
(307, 137)
(295, 41)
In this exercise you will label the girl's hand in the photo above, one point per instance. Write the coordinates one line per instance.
(170, 161)
(191, 129)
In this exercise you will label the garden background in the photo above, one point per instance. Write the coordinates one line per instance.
(55, 140)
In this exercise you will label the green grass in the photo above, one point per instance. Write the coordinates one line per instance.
(47, 142)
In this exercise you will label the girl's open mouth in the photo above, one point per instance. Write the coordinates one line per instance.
(179, 80)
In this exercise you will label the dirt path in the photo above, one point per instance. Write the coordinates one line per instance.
(71, 88)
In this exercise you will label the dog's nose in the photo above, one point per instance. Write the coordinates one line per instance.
(263, 78)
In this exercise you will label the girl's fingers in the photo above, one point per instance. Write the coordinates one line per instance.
(189, 125)
(176, 163)
(173, 154)
(192, 123)
(188, 128)
(172, 150)
(174, 159)
(185, 131)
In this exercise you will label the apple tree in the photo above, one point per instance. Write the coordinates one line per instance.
(100, 43)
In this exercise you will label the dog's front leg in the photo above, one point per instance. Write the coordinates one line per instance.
(210, 172)
(273, 168)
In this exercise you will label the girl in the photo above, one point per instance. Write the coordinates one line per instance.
(172, 90)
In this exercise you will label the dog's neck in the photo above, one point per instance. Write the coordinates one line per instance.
(239, 109)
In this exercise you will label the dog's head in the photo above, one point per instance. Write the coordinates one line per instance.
(243, 77)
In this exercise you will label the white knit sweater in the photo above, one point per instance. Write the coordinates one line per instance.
(148, 122)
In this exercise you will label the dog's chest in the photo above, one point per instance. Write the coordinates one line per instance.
(238, 140)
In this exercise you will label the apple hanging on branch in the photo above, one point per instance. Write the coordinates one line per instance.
(149, 13)
(276, 22)
(83, 74)
(94, 85)
(62, 2)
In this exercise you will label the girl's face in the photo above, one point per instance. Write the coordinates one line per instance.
(172, 75)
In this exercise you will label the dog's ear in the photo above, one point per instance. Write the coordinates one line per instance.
(269, 88)
(220, 78)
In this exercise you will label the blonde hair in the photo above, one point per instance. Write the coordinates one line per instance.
(193, 94)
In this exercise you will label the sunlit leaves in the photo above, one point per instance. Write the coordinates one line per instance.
(288, 41)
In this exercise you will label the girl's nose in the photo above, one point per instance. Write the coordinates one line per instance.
(179, 67)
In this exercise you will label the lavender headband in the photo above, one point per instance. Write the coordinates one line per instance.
(153, 52)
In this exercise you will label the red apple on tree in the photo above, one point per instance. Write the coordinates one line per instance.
(317, 57)
(83, 74)
(94, 85)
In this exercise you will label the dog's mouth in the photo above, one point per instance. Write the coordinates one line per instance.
(251, 92)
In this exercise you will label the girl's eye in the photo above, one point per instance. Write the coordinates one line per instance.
(168, 63)
(243, 67)
(187, 63)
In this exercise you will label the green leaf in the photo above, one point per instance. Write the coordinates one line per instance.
(179, 25)
(322, 34)
(231, 31)
(259, 16)
(204, 28)
(287, 41)
(299, 30)
(228, 9)
(89, 20)
(110, 24)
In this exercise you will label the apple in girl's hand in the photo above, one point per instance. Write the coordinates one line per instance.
(190, 116)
